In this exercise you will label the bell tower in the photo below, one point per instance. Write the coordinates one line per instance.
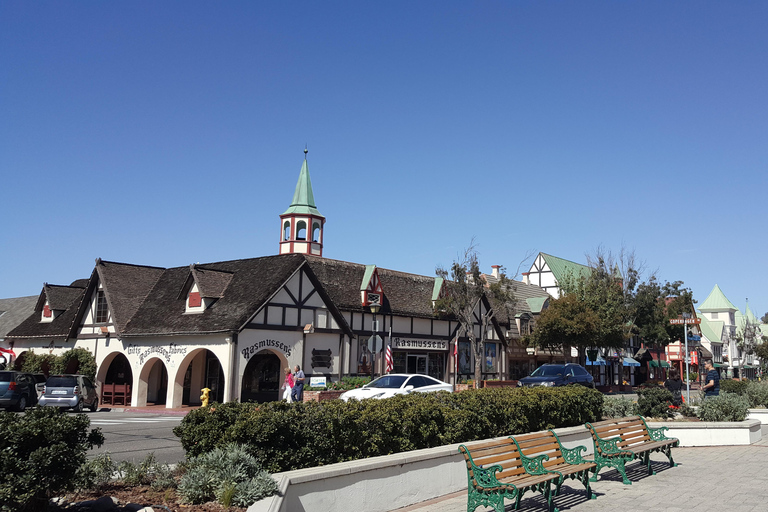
(301, 225)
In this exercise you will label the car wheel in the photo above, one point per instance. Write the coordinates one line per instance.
(22, 405)
(94, 406)
(79, 406)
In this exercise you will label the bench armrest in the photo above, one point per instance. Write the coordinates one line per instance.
(483, 476)
(535, 465)
(610, 446)
(571, 455)
(657, 434)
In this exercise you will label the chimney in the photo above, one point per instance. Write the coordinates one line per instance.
(495, 271)
(526, 277)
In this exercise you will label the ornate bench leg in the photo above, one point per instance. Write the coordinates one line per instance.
(667, 450)
(585, 480)
(619, 465)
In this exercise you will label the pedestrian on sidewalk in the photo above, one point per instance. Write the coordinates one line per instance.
(288, 386)
(675, 386)
(298, 385)
(711, 385)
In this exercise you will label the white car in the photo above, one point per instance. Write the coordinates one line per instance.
(396, 384)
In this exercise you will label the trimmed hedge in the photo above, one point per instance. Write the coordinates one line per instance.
(287, 436)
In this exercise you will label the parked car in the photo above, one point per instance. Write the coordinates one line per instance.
(71, 392)
(39, 379)
(558, 375)
(396, 384)
(17, 390)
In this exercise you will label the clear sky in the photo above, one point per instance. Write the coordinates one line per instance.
(167, 133)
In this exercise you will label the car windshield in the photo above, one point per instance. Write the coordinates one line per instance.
(387, 381)
(61, 382)
(548, 371)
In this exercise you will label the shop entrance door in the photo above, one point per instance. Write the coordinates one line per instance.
(417, 364)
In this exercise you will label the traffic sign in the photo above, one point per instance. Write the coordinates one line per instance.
(681, 321)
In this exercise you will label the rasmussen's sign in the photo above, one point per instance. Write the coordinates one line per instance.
(401, 343)
(259, 345)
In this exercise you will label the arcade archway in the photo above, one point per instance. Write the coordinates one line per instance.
(262, 378)
(199, 369)
(153, 382)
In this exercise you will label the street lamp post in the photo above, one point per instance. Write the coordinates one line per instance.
(687, 358)
(375, 307)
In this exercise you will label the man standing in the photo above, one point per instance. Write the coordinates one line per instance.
(297, 393)
(711, 385)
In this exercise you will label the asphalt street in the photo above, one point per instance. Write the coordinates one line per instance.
(132, 436)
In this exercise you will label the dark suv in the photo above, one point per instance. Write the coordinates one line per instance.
(558, 375)
(17, 390)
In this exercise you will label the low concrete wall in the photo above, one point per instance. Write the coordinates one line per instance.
(704, 433)
(422, 475)
(758, 414)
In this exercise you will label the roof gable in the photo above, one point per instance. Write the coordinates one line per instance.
(125, 287)
(717, 301)
(561, 267)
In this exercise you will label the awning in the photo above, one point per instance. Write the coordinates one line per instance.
(718, 365)
(600, 361)
(656, 364)
(628, 361)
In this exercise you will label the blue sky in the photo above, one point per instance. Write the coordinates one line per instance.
(167, 133)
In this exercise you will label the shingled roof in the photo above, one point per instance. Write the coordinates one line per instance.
(14, 311)
(252, 282)
(404, 294)
(66, 298)
(126, 286)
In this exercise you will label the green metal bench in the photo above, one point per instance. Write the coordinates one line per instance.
(508, 468)
(619, 441)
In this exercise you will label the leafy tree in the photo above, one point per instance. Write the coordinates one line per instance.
(469, 298)
(567, 322)
(764, 319)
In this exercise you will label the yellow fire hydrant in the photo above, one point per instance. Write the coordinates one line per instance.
(204, 397)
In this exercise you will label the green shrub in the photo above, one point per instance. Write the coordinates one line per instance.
(738, 387)
(40, 454)
(96, 473)
(724, 407)
(203, 429)
(757, 394)
(290, 436)
(228, 474)
(654, 402)
(82, 362)
(345, 384)
(147, 472)
(618, 407)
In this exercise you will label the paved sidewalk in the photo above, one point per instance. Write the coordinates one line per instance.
(732, 478)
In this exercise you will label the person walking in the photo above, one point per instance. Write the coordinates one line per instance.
(711, 385)
(298, 384)
(675, 386)
(288, 386)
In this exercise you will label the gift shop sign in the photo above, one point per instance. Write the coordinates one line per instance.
(260, 345)
(162, 351)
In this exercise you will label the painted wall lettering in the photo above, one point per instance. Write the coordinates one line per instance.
(159, 350)
(400, 343)
(279, 345)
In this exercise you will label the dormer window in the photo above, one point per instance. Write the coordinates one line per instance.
(102, 309)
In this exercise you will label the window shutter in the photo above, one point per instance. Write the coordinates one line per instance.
(194, 300)
(47, 311)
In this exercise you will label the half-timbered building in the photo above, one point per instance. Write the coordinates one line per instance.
(234, 326)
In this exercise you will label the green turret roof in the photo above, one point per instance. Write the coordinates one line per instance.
(717, 301)
(303, 198)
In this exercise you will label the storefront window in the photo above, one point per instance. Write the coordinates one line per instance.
(436, 365)
(464, 358)
(490, 358)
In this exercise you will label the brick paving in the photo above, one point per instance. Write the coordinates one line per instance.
(733, 478)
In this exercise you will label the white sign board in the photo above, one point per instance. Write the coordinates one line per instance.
(317, 382)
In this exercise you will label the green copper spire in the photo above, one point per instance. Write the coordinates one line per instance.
(303, 198)
(717, 301)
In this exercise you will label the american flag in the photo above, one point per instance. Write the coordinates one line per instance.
(388, 358)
